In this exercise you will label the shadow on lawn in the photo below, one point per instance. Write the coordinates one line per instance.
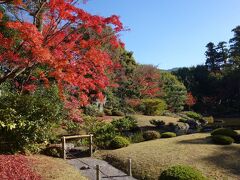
(206, 140)
(228, 159)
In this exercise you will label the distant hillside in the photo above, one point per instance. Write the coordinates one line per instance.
(170, 70)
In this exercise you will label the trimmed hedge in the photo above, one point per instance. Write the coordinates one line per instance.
(224, 132)
(150, 135)
(222, 140)
(119, 142)
(168, 135)
(181, 172)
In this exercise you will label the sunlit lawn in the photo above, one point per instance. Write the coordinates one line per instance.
(152, 157)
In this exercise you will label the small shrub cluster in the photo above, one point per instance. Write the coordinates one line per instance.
(181, 172)
(137, 137)
(72, 127)
(222, 140)
(151, 135)
(91, 110)
(224, 132)
(103, 134)
(125, 124)
(168, 135)
(119, 142)
(193, 115)
(157, 123)
(224, 136)
(154, 107)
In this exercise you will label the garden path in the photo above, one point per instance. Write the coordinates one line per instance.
(108, 172)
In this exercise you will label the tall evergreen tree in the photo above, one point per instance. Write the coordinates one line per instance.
(235, 48)
(222, 54)
(211, 55)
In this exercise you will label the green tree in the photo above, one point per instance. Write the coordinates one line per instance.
(174, 92)
(212, 55)
(235, 48)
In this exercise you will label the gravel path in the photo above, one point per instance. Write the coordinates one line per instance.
(109, 171)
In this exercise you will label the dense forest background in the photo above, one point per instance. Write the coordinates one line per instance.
(216, 84)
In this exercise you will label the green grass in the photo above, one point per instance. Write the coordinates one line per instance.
(144, 120)
(54, 169)
(152, 157)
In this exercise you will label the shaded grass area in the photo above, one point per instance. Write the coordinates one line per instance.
(53, 168)
(152, 157)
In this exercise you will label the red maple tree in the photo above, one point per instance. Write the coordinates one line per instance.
(190, 100)
(52, 40)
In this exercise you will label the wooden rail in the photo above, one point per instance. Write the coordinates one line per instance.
(64, 138)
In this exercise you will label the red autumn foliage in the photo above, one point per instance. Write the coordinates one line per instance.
(16, 167)
(147, 79)
(59, 40)
(190, 100)
(133, 102)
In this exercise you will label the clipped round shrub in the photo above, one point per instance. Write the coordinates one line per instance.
(224, 132)
(150, 135)
(154, 106)
(119, 142)
(181, 172)
(168, 135)
(222, 140)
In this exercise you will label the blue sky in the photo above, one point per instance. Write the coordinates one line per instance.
(171, 33)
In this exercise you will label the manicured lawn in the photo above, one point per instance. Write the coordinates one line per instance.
(144, 120)
(53, 168)
(152, 157)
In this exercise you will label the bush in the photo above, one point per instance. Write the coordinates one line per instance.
(193, 115)
(181, 172)
(119, 142)
(154, 106)
(224, 132)
(53, 150)
(222, 140)
(168, 135)
(150, 135)
(29, 120)
(72, 127)
(209, 119)
(103, 134)
(157, 123)
(108, 112)
(91, 110)
(116, 112)
(137, 137)
(183, 120)
(125, 124)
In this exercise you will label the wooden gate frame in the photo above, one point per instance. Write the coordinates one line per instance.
(64, 138)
